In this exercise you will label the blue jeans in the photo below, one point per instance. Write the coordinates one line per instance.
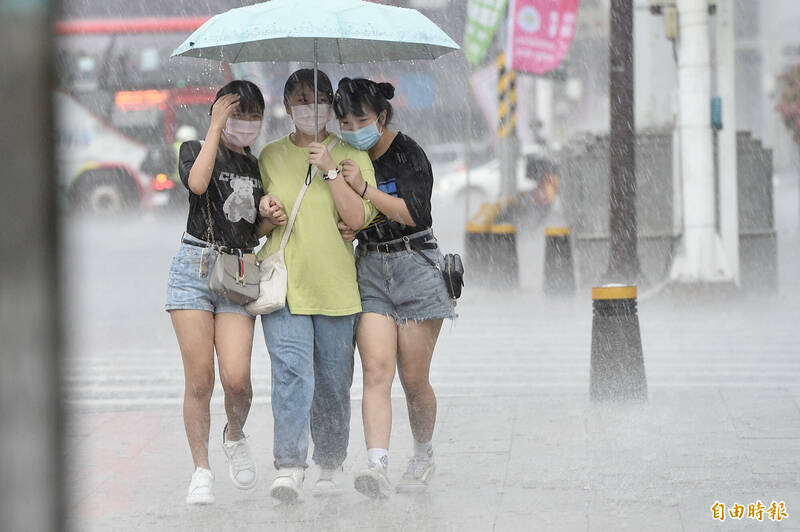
(312, 371)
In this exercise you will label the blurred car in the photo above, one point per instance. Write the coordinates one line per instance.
(160, 166)
(458, 191)
(452, 155)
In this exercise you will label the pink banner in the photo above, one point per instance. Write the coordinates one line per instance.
(541, 32)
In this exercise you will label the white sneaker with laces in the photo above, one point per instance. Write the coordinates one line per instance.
(374, 481)
(288, 484)
(329, 483)
(201, 488)
(241, 466)
(419, 472)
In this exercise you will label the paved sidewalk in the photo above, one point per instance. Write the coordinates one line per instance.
(537, 462)
(518, 444)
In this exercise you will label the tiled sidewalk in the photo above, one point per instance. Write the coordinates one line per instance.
(536, 462)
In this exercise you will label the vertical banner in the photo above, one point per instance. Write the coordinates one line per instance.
(540, 33)
(483, 17)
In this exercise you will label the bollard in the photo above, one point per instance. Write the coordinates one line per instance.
(559, 276)
(491, 248)
(503, 260)
(617, 370)
(476, 251)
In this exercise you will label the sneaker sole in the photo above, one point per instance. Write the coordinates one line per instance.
(284, 494)
(416, 487)
(326, 493)
(370, 486)
(200, 500)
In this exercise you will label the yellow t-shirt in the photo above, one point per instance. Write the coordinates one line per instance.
(321, 265)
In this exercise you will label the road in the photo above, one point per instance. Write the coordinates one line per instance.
(122, 351)
(519, 446)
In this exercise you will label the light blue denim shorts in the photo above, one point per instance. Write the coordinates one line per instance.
(403, 285)
(187, 290)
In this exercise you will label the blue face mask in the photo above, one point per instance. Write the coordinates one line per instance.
(364, 138)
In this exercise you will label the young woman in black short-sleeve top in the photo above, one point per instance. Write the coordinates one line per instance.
(224, 184)
(403, 294)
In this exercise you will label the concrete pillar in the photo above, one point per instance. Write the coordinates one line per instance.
(728, 182)
(701, 257)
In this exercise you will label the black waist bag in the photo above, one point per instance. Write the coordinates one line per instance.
(453, 273)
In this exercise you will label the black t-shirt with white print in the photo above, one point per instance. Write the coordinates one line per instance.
(402, 171)
(233, 192)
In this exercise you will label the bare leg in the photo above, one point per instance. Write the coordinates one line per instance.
(416, 342)
(234, 342)
(195, 332)
(377, 343)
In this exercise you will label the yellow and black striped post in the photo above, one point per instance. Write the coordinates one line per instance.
(617, 370)
(506, 98)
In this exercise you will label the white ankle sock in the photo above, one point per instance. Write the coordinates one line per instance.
(423, 449)
(376, 455)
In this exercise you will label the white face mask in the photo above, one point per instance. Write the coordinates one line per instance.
(303, 117)
(242, 133)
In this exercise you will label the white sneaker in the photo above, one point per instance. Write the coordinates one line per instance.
(201, 489)
(418, 473)
(374, 481)
(288, 484)
(329, 482)
(241, 466)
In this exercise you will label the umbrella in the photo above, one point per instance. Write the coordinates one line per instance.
(322, 31)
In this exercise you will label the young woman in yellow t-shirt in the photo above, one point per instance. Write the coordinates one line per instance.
(311, 341)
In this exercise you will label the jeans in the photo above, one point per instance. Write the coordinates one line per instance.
(312, 371)
(187, 290)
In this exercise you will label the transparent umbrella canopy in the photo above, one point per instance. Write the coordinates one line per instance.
(318, 31)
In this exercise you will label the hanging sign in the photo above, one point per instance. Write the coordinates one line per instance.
(540, 32)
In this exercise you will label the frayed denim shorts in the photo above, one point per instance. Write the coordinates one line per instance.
(403, 285)
(187, 290)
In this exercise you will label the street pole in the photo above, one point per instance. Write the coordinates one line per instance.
(30, 312)
(468, 152)
(701, 257)
(623, 264)
(507, 126)
(728, 171)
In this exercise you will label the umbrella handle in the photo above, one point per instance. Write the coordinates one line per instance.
(316, 94)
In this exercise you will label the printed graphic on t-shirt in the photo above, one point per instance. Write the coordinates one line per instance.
(389, 186)
(240, 205)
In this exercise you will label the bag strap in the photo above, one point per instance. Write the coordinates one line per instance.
(210, 220)
(429, 261)
(299, 199)
(211, 237)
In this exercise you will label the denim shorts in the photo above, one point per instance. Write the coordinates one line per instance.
(403, 285)
(186, 290)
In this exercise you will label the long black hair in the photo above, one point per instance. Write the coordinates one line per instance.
(353, 95)
(305, 78)
(250, 98)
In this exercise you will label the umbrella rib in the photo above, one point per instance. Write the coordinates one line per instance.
(339, 49)
(239, 53)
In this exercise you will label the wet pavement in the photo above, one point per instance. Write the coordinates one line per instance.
(518, 444)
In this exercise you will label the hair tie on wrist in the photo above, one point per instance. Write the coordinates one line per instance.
(366, 186)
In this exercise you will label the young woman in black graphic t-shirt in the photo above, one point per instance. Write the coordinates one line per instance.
(224, 186)
(403, 295)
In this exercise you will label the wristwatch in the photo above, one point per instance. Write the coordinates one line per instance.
(333, 173)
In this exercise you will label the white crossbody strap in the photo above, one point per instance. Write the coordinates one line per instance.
(299, 199)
